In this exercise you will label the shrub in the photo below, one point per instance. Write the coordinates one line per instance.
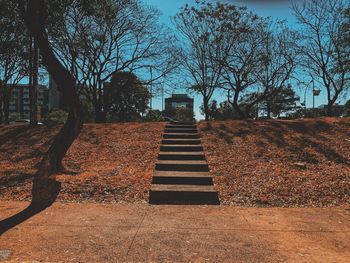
(56, 117)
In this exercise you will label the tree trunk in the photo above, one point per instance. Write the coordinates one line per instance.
(206, 108)
(1, 111)
(329, 109)
(268, 109)
(100, 116)
(236, 106)
(45, 187)
(6, 109)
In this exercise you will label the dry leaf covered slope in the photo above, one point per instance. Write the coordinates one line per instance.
(270, 163)
(280, 163)
(108, 162)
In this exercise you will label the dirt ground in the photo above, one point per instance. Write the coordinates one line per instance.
(280, 163)
(107, 163)
(138, 233)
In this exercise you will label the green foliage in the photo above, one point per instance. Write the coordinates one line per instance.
(225, 111)
(14, 116)
(56, 117)
(347, 107)
(154, 115)
(184, 114)
(283, 101)
(126, 96)
(180, 114)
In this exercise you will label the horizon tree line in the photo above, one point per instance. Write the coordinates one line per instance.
(217, 48)
(254, 60)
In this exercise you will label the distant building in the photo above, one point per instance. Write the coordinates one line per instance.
(56, 101)
(179, 101)
(54, 95)
(20, 102)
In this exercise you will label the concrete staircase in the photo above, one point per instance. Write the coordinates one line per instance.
(182, 174)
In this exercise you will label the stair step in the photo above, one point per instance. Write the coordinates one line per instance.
(181, 136)
(181, 156)
(180, 130)
(182, 165)
(181, 148)
(183, 194)
(182, 174)
(180, 126)
(184, 178)
(183, 123)
(181, 141)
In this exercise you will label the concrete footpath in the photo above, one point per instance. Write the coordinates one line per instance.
(135, 233)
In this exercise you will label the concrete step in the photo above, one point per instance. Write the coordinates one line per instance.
(182, 165)
(181, 136)
(182, 141)
(181, 156)
(183, 194)
(179, 126)
(184, 178)
(181, 148)
(180, 130)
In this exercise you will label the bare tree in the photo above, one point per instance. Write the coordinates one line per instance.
(242, 43)
(92, 46)
(277, 61)
(201, 49)
(321, 45)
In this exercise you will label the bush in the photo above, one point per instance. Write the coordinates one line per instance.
(154, 115)
(56, 117)
(180, 114)
(14, 116)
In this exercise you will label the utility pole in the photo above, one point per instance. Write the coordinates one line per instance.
(150, 68)
(313, 96)
(163, 94)
(33, 80)
(30, 84)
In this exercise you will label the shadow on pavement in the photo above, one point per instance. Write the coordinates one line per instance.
(44, 194)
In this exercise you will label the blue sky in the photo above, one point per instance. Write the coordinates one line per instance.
(277, 9)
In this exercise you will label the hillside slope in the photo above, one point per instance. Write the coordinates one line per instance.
(280, 163)
(264, 163)
(107, 163)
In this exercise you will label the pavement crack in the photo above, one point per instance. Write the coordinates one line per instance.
(137, 231)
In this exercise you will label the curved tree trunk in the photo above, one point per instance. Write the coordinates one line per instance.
(45, 187)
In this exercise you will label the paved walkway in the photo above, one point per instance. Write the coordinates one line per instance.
(135, 233)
